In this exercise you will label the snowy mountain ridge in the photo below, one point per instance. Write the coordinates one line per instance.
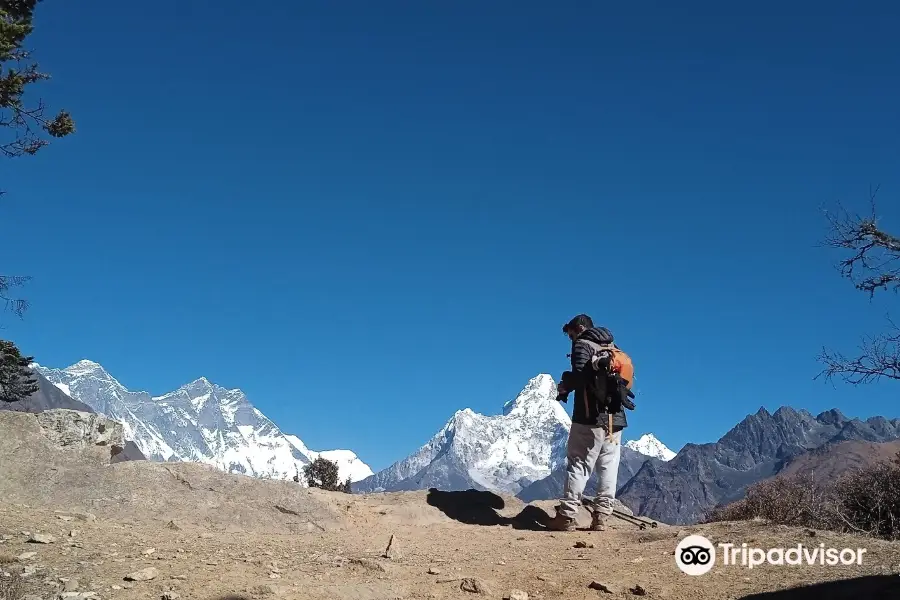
(505, 453)
(648, 445)
(198, 422)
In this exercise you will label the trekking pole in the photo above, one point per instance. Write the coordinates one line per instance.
(634, 520)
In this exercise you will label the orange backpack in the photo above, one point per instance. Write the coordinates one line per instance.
(616, 363)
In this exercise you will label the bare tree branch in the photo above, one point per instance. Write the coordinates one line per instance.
(879, 356)
(16, 305)
(873, 265)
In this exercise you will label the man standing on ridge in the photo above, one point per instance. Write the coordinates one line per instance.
(590, 443)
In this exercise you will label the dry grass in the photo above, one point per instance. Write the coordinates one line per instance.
(865, 501)
(11, 588)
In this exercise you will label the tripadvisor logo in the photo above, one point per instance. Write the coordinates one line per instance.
(696, 555)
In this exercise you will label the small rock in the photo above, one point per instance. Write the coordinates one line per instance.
(73, 533)
(638, 591)
(639, 559)
(171, 596)
(810, 533)
(70, 586)
(127, 586)
(26, 555)
(274, 576)
(116, 587)
(433, 571)
(583, 545)
(475, 586)
(173, 525)
(604, 587)
(72, 515)
(148, 551)
(368, 563)
(205, 535)
(269, 589)
(517, 595)
(143, 575)
(41, 538)
(180, 577)
(28, 571)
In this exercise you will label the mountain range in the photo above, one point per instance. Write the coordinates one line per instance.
(701, 476)
(520, 452)
(198, 422)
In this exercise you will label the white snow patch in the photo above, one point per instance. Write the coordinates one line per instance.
(648, 445)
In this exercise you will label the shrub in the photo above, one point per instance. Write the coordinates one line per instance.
(796, 500)
(323, 473)
(866, 500)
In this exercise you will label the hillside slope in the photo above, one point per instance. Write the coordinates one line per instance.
(148, 530)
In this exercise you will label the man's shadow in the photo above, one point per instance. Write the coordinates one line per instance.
(858, 588)
(474, 507)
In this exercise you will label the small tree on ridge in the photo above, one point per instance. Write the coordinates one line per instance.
(17, 381)
(323, 473)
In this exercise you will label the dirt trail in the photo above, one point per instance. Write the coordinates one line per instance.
(208, 535)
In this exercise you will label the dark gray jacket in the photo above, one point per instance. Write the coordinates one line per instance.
(580, 381)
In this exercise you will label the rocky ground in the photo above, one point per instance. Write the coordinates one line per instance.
(74, 526)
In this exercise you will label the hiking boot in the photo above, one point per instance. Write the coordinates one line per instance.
(561, 523)
(598, 521)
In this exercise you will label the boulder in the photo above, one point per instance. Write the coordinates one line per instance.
(78, 429)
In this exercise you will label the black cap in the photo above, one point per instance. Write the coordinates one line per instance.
(582, 320)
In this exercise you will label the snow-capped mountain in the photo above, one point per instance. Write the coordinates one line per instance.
(522, 450)
(505, 452)
(648, 445)
(198, 422)
(349, 465)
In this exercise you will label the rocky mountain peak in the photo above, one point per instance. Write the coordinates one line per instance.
(85, 367)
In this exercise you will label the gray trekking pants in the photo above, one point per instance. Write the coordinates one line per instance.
(588, 448)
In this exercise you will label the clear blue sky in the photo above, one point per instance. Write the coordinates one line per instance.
(368, 216)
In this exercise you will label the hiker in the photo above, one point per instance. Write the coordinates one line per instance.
(591, 445)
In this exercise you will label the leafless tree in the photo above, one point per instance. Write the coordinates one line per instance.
(873, 265)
